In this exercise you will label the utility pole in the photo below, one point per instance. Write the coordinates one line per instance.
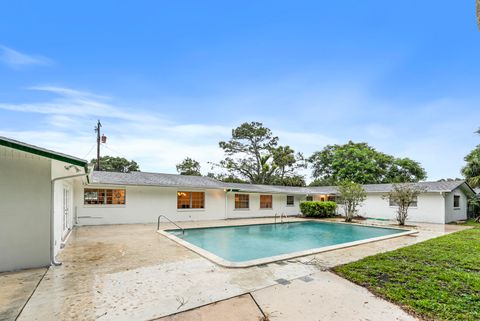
(97, 130)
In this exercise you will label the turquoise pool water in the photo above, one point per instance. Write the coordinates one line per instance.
(250, 242)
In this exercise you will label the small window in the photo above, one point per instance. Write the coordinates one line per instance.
(331, 198)
(290, 200)
(456, 201)
(190, 200)
(102, 196)
(266, 201)
(414, 202)
(309, 198)
(242, 201)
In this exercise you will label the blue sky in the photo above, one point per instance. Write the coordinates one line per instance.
(169, 79)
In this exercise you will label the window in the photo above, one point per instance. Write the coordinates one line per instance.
(103, 196)
(290, 200)
(190, 200)
(331, 198)
(242, 201)
(266, 201)
(456, 201)
(414, 202)
(309, 198)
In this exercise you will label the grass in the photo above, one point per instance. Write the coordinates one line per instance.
(438, 279)
(471, 223)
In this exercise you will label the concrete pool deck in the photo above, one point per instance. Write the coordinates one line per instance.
(130, 272)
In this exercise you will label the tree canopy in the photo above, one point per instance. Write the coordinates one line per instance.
(471, 170)
(116, 164)
(253, 154)
(361, 163)
(189, 166)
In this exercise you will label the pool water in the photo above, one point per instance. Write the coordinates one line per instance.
(250, 242)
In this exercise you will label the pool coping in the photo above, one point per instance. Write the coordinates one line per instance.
(282, 257)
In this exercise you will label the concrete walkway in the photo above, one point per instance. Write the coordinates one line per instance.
(15, 289)
(241, 308)
(325, 296)
(130, 272)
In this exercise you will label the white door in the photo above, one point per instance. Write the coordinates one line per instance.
(66, 210)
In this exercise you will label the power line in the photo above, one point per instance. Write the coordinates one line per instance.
(113, 150)
(93, 146)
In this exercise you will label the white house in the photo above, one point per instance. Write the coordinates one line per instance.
(145, 196)
(43, 194)
(36, 203)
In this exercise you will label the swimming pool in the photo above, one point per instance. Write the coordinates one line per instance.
(246, 245)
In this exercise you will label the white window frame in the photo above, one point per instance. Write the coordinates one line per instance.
(293, 199)
(459, 202)
(241, 208)
(392, 204)
(192, 209)
(260, 202)
(104, 205)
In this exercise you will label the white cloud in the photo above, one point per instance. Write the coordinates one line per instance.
(70, 102)
(15, 58)
(437, 133)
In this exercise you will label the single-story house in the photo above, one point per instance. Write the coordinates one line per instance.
(145, 196)
(36, 203)
(45, 193)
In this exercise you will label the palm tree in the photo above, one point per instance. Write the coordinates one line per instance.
(478, 13)
(471, 171)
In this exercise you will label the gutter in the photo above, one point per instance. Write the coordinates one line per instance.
(52, 215)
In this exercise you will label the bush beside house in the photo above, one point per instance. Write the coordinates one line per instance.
(318, 209)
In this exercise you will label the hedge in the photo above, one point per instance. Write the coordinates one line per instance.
(318, 209)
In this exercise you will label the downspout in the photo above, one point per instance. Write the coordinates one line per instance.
(52, 215)
(226, 203)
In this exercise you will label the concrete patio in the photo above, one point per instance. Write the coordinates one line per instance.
(130, 272)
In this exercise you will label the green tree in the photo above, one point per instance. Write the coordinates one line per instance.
(291, 180)
(403, 196)
(471, 171)
(253, 154)
(322, 182)
(361, 163)
(116, 164)
(287, 163)
(189, 166)
(351, 195)
(478, 13)
(227, 178)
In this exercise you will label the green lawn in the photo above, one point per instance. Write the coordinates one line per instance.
(438, 279)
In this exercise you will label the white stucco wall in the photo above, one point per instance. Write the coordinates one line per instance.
(279, 206)
(24, 210)
(431, 208)
(454, 214)
(145, 204)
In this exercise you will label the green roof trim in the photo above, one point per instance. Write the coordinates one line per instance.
(24, 147)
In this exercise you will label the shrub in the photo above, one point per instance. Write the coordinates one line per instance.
(351, 194)
(318, 209)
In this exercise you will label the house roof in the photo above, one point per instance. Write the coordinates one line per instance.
(175, 180)
(155, 179)
(446, 186)
(32, 149)
(258, 188)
